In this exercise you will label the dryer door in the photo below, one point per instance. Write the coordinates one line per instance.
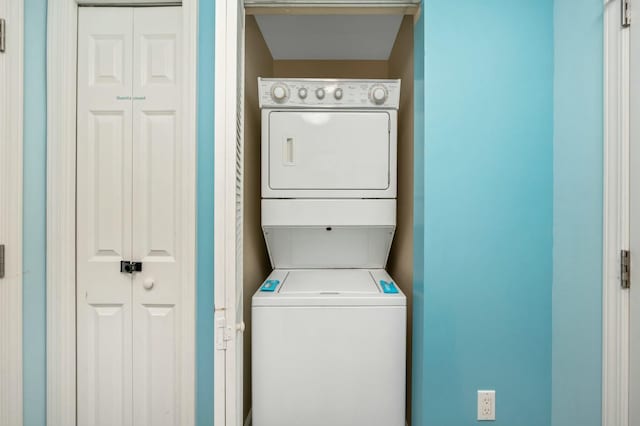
(335, 151)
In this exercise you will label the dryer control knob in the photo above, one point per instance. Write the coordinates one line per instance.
(302, 93)
(279, 93)
(320, 93)
(338, 94)
(378, 95)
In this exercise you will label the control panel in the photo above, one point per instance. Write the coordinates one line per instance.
(328, 93)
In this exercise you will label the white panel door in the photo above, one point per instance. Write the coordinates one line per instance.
(303, 147)
(157, 201)
(104, 147)
(634, 224)
(130, 178)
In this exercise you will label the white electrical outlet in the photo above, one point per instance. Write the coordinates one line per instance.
(486, 405)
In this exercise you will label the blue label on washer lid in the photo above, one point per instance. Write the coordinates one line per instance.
(270, 285)
(388, 287)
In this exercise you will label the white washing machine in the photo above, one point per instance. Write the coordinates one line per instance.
(329, 323)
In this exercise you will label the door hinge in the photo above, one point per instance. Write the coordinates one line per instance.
(3, 25)
(625, 269)
(626, 13)
(129, 267)
(224, 333)
(1, 260)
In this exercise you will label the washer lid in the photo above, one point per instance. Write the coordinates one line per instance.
(329, 287)
(328, 234)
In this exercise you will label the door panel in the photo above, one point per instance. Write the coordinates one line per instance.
(104, 147)
(108, 359)
(156, 185)
(156, 375)
(634, 224)
(106, 141)
(129, 203)
(302, 147)
(156, 215)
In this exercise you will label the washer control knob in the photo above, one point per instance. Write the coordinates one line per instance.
(302, 93)
(320, 93)
(338, 94)
(279, 92)
(378, 94)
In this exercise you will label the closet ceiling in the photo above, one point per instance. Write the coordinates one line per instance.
(329, 37)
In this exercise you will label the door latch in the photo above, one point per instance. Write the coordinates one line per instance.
(626, 13)
(625, 269)
(129, 267)
(1, 260)
(3, 30)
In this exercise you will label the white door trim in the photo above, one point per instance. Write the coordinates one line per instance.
(61, 214)
(225, 260)
(615, 315)
(11, 111)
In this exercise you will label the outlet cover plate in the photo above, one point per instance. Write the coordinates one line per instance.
(486, 405)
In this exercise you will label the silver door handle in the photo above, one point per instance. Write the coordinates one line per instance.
(1, 260)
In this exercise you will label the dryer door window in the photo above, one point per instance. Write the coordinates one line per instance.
(316, 150)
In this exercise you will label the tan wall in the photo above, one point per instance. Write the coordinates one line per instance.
(330, 69)
(259, 62)
(256, 266)
(400, 264)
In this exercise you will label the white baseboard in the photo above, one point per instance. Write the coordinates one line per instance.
(247, 421)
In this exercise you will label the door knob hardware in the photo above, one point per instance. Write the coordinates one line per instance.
(129, 267)
(1, 260)
(3, 35)
(148, 283)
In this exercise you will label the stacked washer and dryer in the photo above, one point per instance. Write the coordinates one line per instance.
(329, 323)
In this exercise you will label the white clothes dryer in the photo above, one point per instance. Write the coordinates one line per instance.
(329, 138)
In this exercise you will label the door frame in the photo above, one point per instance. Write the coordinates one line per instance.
(615, 299)
(11, 169)
(62, 25)
(226, 261)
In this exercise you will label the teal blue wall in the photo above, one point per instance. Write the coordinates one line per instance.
(417, 356)
(483, 216)
(34, 213)
(204, 320)
(488, 210)
(577, 280)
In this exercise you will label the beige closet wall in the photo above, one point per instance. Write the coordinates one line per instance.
(256, 266)
(400, 264)
(258, 62)
(331, 69)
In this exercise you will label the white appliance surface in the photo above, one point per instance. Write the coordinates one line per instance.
(329, 344)
(328, 349)
(324, 287)
(329, 138)
(336, 150)
(300, 93)
(342, 233)
(323, 212)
